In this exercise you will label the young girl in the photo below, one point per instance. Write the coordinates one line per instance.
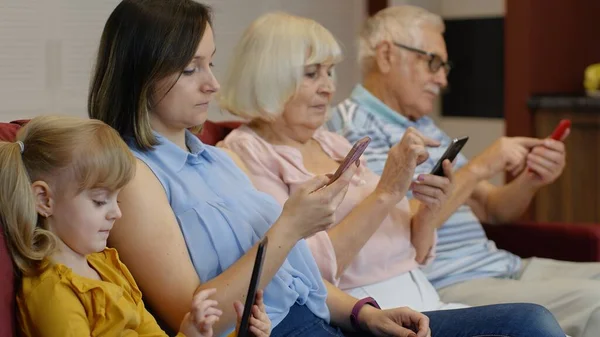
(59, 184)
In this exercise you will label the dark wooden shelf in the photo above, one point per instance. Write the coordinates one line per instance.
(574, 103)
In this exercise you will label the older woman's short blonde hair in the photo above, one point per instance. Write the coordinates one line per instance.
(268, 64)
(403, 24)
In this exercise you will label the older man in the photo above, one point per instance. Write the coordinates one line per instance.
(404, 62)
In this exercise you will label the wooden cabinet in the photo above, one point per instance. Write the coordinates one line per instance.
(575, 196)
(547, 46)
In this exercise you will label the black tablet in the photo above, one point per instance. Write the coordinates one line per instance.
(244, 329)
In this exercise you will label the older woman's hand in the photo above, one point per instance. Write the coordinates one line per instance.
(402, 160)
(311, 208)
(432, 191)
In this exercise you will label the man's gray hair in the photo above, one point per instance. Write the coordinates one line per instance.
(402, 24)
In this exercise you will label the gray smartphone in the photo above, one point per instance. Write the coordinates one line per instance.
(451, 152)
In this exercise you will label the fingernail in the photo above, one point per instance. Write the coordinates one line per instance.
(421, 177)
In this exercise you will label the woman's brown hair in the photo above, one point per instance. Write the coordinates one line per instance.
(143, 42)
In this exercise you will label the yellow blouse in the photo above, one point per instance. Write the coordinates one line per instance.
(60, 303)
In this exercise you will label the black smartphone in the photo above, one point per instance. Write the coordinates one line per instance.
(451, 152)
(244, 329)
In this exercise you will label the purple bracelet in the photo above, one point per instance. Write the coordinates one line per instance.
(356, 309)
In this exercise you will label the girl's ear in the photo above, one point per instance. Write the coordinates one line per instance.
(43, 198)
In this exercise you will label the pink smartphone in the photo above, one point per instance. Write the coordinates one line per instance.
(357, 150)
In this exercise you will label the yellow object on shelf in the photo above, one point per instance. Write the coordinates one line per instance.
(591, 81)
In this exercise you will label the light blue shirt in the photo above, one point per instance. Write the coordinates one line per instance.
(463, 251)
(221, 216)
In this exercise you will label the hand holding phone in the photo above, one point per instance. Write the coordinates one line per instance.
(357, 150)
(558, 133)
(451, 152)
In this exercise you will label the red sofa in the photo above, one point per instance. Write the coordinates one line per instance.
(570, 242)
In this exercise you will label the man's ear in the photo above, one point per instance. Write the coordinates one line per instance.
(383, 57)
(44, 201)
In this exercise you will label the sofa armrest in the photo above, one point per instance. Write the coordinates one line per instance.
(214, 132)
(560, 241)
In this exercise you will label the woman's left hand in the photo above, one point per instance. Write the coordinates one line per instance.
(398, 322)
(259, 324)
(431, 190)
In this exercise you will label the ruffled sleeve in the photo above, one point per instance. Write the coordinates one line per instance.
(53, 309)
(148, 325)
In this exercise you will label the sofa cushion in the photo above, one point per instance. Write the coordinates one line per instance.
(7, 293)
(8, 132)
(213, 132)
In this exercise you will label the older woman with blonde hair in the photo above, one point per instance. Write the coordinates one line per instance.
(281, 80)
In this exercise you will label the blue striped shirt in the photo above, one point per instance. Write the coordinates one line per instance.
(463, 251)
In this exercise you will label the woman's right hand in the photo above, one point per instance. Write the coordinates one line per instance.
(401, 162)
(311, 208)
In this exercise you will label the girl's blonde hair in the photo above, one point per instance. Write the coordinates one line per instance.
(61, 151)
(268, 63)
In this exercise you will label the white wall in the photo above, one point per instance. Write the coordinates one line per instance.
(481, 131)
(46, 53)
(47, 47)
(430, 5)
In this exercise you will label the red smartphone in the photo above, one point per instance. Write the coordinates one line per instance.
(562, 126)
(357, 150)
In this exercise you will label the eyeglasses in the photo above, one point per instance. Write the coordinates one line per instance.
(435, 61)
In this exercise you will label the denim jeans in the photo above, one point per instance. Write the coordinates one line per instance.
(502, 320)
(300, 321)
(499, 320)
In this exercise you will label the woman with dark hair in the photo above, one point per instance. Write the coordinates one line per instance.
(191, 218)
